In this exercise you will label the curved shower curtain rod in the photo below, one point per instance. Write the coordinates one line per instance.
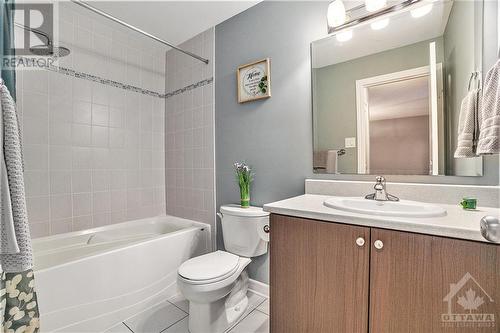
(112, 18)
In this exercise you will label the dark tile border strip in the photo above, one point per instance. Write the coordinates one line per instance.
(116, 84)
(190, 87)
(98, 79)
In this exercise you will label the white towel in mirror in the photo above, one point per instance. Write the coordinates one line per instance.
(332, 161)
(468, 130)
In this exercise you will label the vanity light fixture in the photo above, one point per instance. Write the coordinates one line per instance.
(361, 14)
(374, 5)
(421, 11)
(336, 14)
(344, 36)
(380, 24)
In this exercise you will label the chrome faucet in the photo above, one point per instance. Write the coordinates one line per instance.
(380, 191)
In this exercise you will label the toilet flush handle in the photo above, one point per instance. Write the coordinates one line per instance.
(266, 229)
(220, 215)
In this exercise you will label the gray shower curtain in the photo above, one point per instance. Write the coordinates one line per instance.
(6, 37)
(18, 302)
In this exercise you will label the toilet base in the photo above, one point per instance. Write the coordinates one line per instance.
(222, 314)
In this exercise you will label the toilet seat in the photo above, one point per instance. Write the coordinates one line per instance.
(209, 268)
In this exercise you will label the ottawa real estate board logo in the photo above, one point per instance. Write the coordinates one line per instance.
(467, 304)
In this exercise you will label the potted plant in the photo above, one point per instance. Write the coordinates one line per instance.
(244, 177)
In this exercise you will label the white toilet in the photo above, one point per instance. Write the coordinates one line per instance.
(216, 284)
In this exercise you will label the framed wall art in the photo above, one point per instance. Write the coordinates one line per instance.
(254, 81)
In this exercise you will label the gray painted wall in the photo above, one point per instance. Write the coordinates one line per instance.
(275, 135)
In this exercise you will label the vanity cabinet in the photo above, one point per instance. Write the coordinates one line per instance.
(319, 276)
(324, 279)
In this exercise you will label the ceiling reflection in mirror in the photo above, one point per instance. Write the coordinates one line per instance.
(387, 92)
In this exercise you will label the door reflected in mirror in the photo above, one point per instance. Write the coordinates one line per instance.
(390, 98)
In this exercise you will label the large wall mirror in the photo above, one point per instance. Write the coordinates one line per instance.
(387, 92)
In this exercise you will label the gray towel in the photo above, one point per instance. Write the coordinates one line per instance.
(468, 129)
(489, 114)
(12, 151)
(8, 242)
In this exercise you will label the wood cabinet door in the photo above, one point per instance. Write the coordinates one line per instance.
(319, 276)
(427, 284)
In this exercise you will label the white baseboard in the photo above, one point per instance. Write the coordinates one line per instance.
(259, 288)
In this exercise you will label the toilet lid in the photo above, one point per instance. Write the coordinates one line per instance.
(209, 266)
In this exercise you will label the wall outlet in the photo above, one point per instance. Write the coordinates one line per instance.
(350, 142)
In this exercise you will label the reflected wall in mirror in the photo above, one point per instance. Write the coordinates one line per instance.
(387, 97)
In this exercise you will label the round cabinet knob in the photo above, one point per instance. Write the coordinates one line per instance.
(360, 241)
(266, 229)
(378, 244)
(490, 228)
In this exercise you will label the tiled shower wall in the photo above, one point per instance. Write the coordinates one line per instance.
(190, 132)
(94, 154)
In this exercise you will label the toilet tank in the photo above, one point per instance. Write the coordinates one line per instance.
(245, 230)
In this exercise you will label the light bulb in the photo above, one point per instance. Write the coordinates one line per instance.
(374, 5)
(344, 36)
(421, 11)
(336, 13)
(380, 24)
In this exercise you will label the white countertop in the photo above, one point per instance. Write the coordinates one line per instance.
(458, 223)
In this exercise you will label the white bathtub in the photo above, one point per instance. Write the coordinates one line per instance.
(89, 280)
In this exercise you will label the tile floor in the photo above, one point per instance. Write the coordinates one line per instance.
(172, 317)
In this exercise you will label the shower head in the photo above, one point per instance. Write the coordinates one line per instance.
(46, 50)
(50, 51)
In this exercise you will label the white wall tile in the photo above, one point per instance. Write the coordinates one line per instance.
(81, 135)
(189, 148)
(81, 158)
(100, 114)
(36, 157)
(100, 219)
(118, 200)
(36, 183)
(82, 204)
(35, 105)
(60, 86)
(100, 136)
(35, 130)
(60, 206)
(82, 112)
(61, 226)
(81, 181)
(101, 202)
(82, 91)
(38, 209)
(60, 107)
(36, 81)
(101, 180)
(118, 179)
(41, 229)
(60, 182)
(82, 222)
(94, 154)
(60, 157)
(116, 117)
(60, 133)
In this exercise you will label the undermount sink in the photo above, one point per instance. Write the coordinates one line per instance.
(402, 208)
